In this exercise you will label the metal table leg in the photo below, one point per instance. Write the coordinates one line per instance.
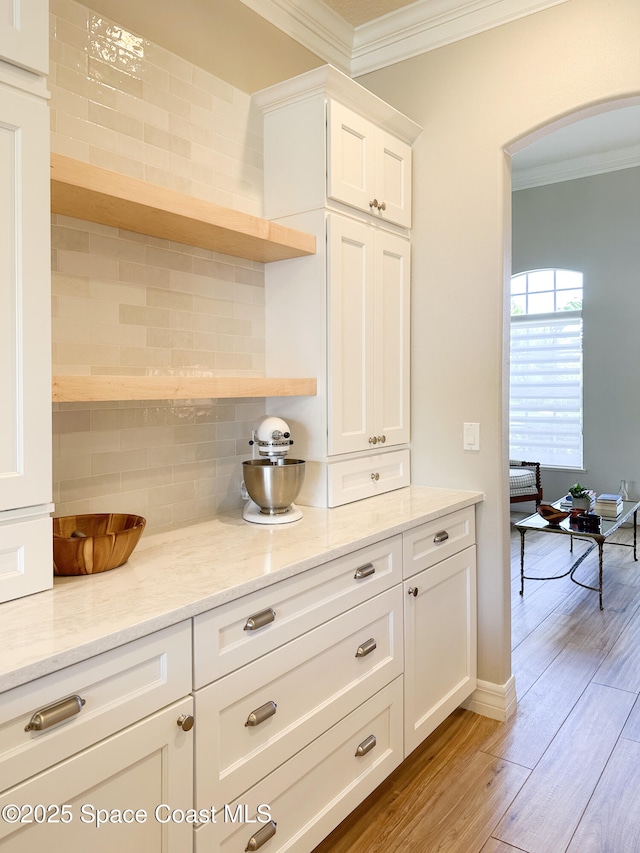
(522, 532)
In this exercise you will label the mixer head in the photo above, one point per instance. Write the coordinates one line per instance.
(271, 437)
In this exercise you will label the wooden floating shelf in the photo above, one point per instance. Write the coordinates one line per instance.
(68, 389)
(88, 192)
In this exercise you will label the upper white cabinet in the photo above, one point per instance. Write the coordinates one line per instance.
(338, 165)
(26, 564)
(24, 34)
(368, 337)
(331, 142)
(367, 167)
(25, 324)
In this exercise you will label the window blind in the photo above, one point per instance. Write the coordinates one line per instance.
(545, 416)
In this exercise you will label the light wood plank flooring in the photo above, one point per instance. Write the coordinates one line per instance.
(564, 773)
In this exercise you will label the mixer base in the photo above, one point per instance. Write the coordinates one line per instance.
(252, 513)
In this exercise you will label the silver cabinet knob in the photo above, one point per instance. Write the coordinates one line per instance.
(382, 439)
(413, 590)
(186, 722)
(373, 439)
(375, 476)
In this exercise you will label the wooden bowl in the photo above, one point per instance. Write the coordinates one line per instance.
(88, 544)
(552, 515)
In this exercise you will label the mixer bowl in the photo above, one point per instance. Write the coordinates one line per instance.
(273, 486)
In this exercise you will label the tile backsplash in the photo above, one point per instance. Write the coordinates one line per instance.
(126, 303)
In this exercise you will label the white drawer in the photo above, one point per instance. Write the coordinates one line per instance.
(118, 687)
(222, 641)
(302, 689)
(355, 479)
(311, 793)
(438, 539)
(26, 555)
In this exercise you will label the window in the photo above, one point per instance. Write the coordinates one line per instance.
(545, 412)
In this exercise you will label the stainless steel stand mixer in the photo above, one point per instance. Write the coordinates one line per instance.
(271, 480)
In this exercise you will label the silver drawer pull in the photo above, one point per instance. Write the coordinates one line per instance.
(366, 746)
(261, 836)
(261, 714)
(365, 572)
(55, 713)
(441, 536)
(259, 620)
(366, 648)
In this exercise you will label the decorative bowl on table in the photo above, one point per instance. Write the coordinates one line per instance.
(93, 543)
(552, 515)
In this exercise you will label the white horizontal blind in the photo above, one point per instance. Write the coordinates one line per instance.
(545, 417)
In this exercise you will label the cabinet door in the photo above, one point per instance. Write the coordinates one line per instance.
(367, 167)
(440, 643)
(391, 339)
(24, 34)
(393, 179)
(350, 247)
(350, 157)
(146, 769)
(25, 312)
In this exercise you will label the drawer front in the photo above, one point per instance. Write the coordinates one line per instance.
(438, 539)
(223, 641)
(318, 787)
(374, 474)
(117, 688)
(254, 719)
(26, 557)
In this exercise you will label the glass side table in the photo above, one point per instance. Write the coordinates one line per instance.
(598, 540)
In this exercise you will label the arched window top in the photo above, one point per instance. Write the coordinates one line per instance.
(546, 291)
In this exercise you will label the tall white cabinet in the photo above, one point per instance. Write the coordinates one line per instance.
(338, 164)
(25, 314)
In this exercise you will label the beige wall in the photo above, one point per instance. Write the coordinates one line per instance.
(475, 99)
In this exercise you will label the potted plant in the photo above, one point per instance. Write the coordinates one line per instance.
(580, 497)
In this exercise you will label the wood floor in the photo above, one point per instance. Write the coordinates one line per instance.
(564, 773)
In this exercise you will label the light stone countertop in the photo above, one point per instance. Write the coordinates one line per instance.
(176, 575)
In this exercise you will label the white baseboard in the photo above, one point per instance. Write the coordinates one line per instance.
(497, 701)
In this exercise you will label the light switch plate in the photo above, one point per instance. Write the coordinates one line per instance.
(471, 437)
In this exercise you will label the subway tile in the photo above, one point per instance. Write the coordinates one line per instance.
(115, 120)
(118, 461)
(113, 161)
(143, 274)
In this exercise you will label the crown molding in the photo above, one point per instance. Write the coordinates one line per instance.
(429, 24)
(418, 28)
(329, 81)
(576, 167)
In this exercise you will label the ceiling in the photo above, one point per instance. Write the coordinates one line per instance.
(358, 12)
(253, 44)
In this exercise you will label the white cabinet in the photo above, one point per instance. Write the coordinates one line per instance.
(24, 34)
(121, 781)
(338, 164)
(440, 622)
(368, 309)
(26, 564)
(367, 167)
(108, 733)
(311, 720)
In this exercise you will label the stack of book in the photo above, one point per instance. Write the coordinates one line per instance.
(608, 506)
